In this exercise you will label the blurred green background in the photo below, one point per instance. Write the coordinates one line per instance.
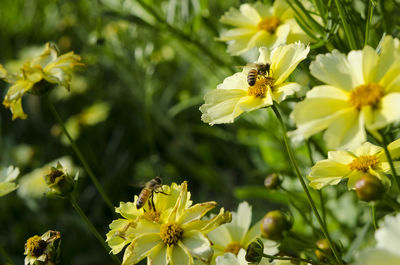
(134, 113)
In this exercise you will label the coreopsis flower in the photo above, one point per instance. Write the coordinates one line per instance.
(59, 181)
(122, 230)
(37, 76)
(261, 25)
(172, 235)
(235, 96)
(352, 164)
(7, 177)
(42, 249)
(231, 259)
(361, 92)
(387, 247)
(237, 235)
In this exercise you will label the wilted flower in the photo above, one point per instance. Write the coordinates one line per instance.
(361, 92)
(59, 181)
(37, 76)
(7, 177)
(261, 25)
(387, 248)
(235, 95)
(238, 235)
(176, 235)
(353, 164)
(42, 249)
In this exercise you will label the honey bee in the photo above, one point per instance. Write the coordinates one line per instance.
(258, 69)
(151, 187)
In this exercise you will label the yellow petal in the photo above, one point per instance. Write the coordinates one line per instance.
(367, 149)
(220, 236)
(7, 187)
(196, 212)
(285, 59)
(129, 210)
(158, 255)
(179, 255)
(353, 178)
(340, 156)
(327, 172)
(394, 149)
(369, 61)
(235, 18)
(249, 103)
(284, 90)
(388, 57)
(330, 92)
(198, 245)
(140, 248)
(237, 33)
(389, 111)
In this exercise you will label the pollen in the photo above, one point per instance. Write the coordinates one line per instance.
(233, 247)
(171, 233)
(35, 246)
(260, 88)
(363, 163)
(367, 94)
(269, 24)
(152, 216)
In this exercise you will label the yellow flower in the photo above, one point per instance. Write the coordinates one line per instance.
(230, 259)
(7, 177)
(387, 248)
(37, 76)
(237, 235)
(235, 95)
(352, 164)
(177, 236)
(122, 230)
(361, 93)
(42, 249)
(261, 25)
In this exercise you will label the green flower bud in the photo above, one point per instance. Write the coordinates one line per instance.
(369, 188)
(59, 180)
(323, 250)
(255, 251)
(272, 181)
(274, 224)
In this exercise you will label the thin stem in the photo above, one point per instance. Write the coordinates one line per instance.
(347, 29)
(290, 258)
(390, 160)
(78, 153)
(391, 203)
(367, 26)
(321, 197)
(303, 184)
(373, 214)
(6, 256)
(92, 228)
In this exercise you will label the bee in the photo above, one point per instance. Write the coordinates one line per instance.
(151, 187)
(258, 69)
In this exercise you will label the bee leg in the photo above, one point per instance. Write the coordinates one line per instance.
(161, 191)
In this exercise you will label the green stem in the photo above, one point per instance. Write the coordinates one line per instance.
(92, 228)
(347, 29)
(390, 160)
(321, 197)
(303, 184)
(290, 258)
(367, 26)
(78, 153)
(6, 256)
(373, 214)
(391, 203)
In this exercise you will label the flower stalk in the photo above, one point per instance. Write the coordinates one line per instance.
(303, 184)
(79, 153)
(92, 228)
(290, 259)
(390, 160)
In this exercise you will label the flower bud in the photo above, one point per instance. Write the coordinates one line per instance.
(59, 180)
(274, 224)
(323, 250)
(369, 188)
(272, 181)
(255, 251)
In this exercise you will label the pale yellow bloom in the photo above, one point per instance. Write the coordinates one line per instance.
(261, 25)
(237, 235)
(352, 164)
(234, 96)
(7, 178)
(387, 248)
(37, 76)
(42, 249)
(230, 259)
(177, 236)
(361, 92)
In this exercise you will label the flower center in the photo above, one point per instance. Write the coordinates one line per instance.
(35, 246)
(151, 216)
(269, 24)
(233, 247)
(171, 233)
(260, 88)
(367, 94)
(363, 163)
